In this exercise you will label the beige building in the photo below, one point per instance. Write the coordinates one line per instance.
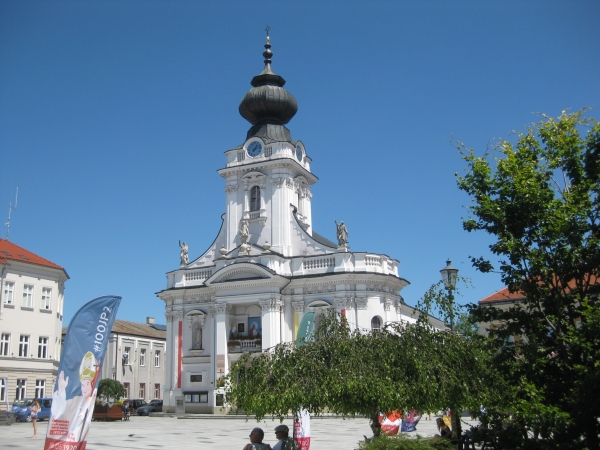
(136, 357)
(502, 299)
(31, 312)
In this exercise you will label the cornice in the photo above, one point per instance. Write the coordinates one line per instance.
(284, 162)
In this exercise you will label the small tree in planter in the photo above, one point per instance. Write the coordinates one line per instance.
(110, 391)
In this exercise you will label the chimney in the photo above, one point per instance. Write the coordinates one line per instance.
(149, 320)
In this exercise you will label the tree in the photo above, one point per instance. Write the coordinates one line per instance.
(538, 199)
(440, 300)
(110, 390)
(402, 366)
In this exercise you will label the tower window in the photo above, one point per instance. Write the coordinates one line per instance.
(376, 323)
(255, 199)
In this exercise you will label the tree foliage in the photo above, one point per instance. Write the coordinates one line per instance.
(347, 372)
(110, 390)
(538, 199)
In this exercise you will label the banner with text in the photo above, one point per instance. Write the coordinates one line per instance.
(79, 373)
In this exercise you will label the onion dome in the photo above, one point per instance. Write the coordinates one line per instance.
(268, 106)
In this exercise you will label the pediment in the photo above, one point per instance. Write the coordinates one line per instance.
(254, 178)
(240, 271)
(318, 304)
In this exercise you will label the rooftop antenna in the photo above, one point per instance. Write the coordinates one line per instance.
(10, 208)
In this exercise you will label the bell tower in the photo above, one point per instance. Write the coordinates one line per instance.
(268, 177)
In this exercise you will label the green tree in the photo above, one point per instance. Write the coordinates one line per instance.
(110, 390)
(440, 301)
(403, 366)
(538, 199)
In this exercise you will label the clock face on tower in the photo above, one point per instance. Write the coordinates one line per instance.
(298, 153)
(254, 148)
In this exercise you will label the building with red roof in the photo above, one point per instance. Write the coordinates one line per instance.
(31, 312)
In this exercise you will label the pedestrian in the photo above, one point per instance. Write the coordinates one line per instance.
(443, 429)
(256, 440)
(284, 442)
(35, 408)
(126, 411)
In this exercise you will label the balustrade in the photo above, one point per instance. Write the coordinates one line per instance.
(244, 345)
(198, 275)
(318, 263)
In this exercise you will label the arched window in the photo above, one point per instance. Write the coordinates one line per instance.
(376, 323)
(255, 199)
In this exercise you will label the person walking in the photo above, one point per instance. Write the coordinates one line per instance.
(126, 411)
(284, 442)
(256, 440)
(35, 408)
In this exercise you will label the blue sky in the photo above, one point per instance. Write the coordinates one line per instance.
(114, 116)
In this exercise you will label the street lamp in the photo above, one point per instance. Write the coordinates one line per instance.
(449, 276)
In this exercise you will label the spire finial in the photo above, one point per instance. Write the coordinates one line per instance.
(268, 53)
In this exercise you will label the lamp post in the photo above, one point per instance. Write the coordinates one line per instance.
(449, 277)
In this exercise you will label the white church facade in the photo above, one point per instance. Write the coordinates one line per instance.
(267, 267)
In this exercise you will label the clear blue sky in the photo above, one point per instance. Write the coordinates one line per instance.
(114, 116)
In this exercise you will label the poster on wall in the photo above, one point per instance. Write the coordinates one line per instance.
(79, 374)
(254, 327)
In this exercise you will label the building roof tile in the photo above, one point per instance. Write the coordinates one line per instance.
(135, 329)
(13, 252)
(503, 295)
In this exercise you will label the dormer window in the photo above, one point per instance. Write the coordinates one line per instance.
(255, 199)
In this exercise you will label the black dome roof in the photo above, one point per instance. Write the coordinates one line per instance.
(268, 102)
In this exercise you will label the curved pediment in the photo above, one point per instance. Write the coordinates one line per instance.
(243, 271)
(318, 304)
(254, 178)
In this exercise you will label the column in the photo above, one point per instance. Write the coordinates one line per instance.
(222, 366)
(388, 310)
(362, 319)
(233, 217)
(262, 209)
(177, 347)
(298, 315)
(270, 318)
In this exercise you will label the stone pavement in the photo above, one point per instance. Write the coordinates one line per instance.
(201, 432)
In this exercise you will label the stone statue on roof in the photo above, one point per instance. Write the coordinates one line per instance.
(184, 254)
(342, 234)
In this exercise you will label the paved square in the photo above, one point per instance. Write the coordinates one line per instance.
(200, 432)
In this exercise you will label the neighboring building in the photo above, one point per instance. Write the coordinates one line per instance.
(135, 356)
(502, 299)
(31, 312)
(267, 267)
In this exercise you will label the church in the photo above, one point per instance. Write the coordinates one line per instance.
(267, 266)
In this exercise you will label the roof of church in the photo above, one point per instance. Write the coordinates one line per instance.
(13, 252)
(323, 240)
(268, 106)
(155, 331)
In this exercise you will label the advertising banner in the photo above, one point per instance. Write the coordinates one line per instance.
(410, 421)
(305, 329)
(79, 374)
(302, 429)
(390, 422)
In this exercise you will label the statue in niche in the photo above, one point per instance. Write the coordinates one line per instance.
(342, 234)
(184, 253)
(244, 231)
(197, 336)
